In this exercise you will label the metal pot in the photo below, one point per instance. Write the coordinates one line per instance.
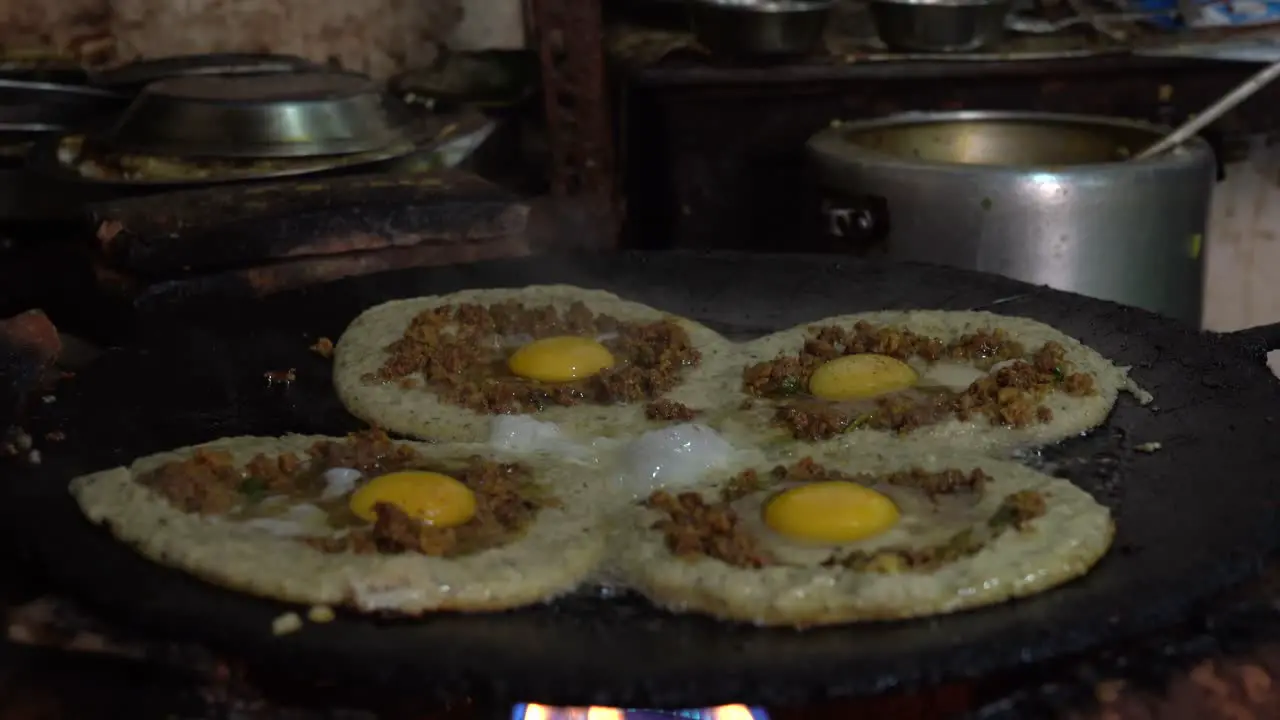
(1039, 197)
(760, 27)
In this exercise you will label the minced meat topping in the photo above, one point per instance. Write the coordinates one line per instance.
(460, 353)
(1012, 396)
(210, 483)
(693, 526)
(669, 410)
(931, 484)
(1015, 512)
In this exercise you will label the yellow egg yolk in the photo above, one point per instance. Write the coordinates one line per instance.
(860, 376)
(560, 359)
(830, 512)
(435, 499)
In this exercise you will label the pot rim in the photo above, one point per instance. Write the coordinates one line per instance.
(942, 4)
(829, 143)
(766, 7)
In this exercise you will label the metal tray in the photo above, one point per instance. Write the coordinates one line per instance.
(48, 157)
(14, 92)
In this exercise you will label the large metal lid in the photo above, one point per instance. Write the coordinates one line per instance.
(265, 116)
(136, 75)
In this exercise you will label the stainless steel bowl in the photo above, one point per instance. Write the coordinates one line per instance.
(940, 25)
(760, 27)
(264, 116)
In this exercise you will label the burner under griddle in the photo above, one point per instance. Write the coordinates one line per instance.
(531, 711)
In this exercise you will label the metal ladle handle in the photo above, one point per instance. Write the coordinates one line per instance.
(1188, 129)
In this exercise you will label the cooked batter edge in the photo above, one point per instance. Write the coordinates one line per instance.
(1063, 544)
(360, 351)
(1071, 415)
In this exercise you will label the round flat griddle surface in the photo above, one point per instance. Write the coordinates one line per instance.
(1192, 518)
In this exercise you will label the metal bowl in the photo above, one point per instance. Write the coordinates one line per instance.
(263, 116)
(760, 27)
(940, 25)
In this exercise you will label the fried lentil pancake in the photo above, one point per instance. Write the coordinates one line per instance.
(1073, 389)
(557, 549)
(420, 411)
(959, 544)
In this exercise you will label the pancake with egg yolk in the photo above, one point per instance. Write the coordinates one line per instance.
(557, 549)
(849, 388)
(849, 536)
(417, 408)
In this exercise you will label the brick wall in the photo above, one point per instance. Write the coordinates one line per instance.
(380, 37)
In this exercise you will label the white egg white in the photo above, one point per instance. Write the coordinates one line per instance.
(673, 457)
(301, 520)
(522, 434)
(339, 481)
(952, 376)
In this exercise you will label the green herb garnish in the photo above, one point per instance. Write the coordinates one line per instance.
(1058, 374)
(859, 422)
(253, 488)
(790, 386)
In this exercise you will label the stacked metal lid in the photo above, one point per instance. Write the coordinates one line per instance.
(210, 123)
(259, 116)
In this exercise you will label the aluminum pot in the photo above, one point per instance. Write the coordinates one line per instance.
(760, 27)
(1044, 198)
(940, 25)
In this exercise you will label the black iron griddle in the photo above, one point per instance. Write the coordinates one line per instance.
(1193, 517)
